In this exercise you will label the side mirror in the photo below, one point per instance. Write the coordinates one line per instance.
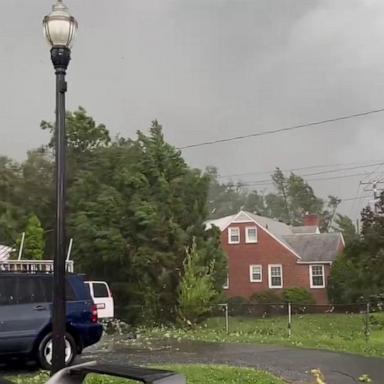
(77, 373)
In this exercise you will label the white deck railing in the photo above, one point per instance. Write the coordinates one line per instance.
(31, 266)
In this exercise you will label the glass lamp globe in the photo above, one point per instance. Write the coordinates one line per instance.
(59, 26)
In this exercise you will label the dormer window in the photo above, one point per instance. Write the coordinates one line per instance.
(233, 235)
(251, 234)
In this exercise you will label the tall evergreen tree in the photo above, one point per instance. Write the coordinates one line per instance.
(34, 243)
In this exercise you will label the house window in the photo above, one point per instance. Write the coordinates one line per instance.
(255, 273)
(317, 276)
(233, 235)
(251, 235)
(275, 276)
(226, 284)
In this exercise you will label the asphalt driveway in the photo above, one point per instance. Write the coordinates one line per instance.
(292, 364)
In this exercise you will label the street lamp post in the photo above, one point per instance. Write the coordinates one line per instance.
(59, 29)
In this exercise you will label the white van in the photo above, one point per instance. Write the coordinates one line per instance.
(102, 297)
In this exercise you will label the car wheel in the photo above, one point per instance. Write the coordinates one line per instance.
(45, 351)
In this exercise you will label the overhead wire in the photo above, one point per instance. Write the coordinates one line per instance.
(295, 127)
(356, 198)
(269, 181)
(371, 173)
(285, 129)
(298, 168)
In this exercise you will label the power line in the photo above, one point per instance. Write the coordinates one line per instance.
(371, 173)
(301, 168)
(269, 181)
(344, 169)
(356, 198)
(285, 129)
(292, 169)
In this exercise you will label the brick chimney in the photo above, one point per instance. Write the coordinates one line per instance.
(311, 220)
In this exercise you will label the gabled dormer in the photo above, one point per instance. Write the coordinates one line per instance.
(246, 229)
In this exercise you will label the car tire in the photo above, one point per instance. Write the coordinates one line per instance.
(44, 351)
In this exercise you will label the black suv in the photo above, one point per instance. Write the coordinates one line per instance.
(26, 317)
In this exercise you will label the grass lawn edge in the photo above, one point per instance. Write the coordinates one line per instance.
(195, 374)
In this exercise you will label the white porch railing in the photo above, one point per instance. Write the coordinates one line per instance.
(32, 266)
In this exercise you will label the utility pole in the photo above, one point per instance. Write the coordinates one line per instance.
(373, 188)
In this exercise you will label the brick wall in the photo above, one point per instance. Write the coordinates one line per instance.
(266, 251)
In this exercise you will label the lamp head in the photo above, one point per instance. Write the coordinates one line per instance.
(60, 26)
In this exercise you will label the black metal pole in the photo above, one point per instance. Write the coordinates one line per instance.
(60, 58)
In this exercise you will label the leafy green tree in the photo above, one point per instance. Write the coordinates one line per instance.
(255, 203)
(38, 196)
(134, 207)
(276, 207)
(328, 214)
(292, 199)
(34, 243)
(83, 134)
(37, 183)
(196, 293)
(301, 199)
(346, 284)
(280, 200)
(224, 199)
(345, 225)
(359, 275)
(11, 208)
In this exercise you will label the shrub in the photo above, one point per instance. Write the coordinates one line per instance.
(299, 296)
(197, 292)
(344, 285)
(237, 305)
(266, 297)
(237, 300)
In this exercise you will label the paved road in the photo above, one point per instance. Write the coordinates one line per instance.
(292, 364)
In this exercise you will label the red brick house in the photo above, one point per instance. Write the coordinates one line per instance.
(267, 254)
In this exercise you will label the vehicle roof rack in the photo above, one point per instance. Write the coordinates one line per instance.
(32, 266)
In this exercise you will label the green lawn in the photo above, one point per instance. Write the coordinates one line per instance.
(195, 374)
(337, 332)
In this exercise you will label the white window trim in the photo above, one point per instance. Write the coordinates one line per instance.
(251, 273)
(230, 233)
(270, 266)
(226, 284)
(247, 240)
(311, 276)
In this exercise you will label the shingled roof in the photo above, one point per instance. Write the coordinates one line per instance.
(305, 241)
(306, 229)
(278, 228)
(315, 247)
